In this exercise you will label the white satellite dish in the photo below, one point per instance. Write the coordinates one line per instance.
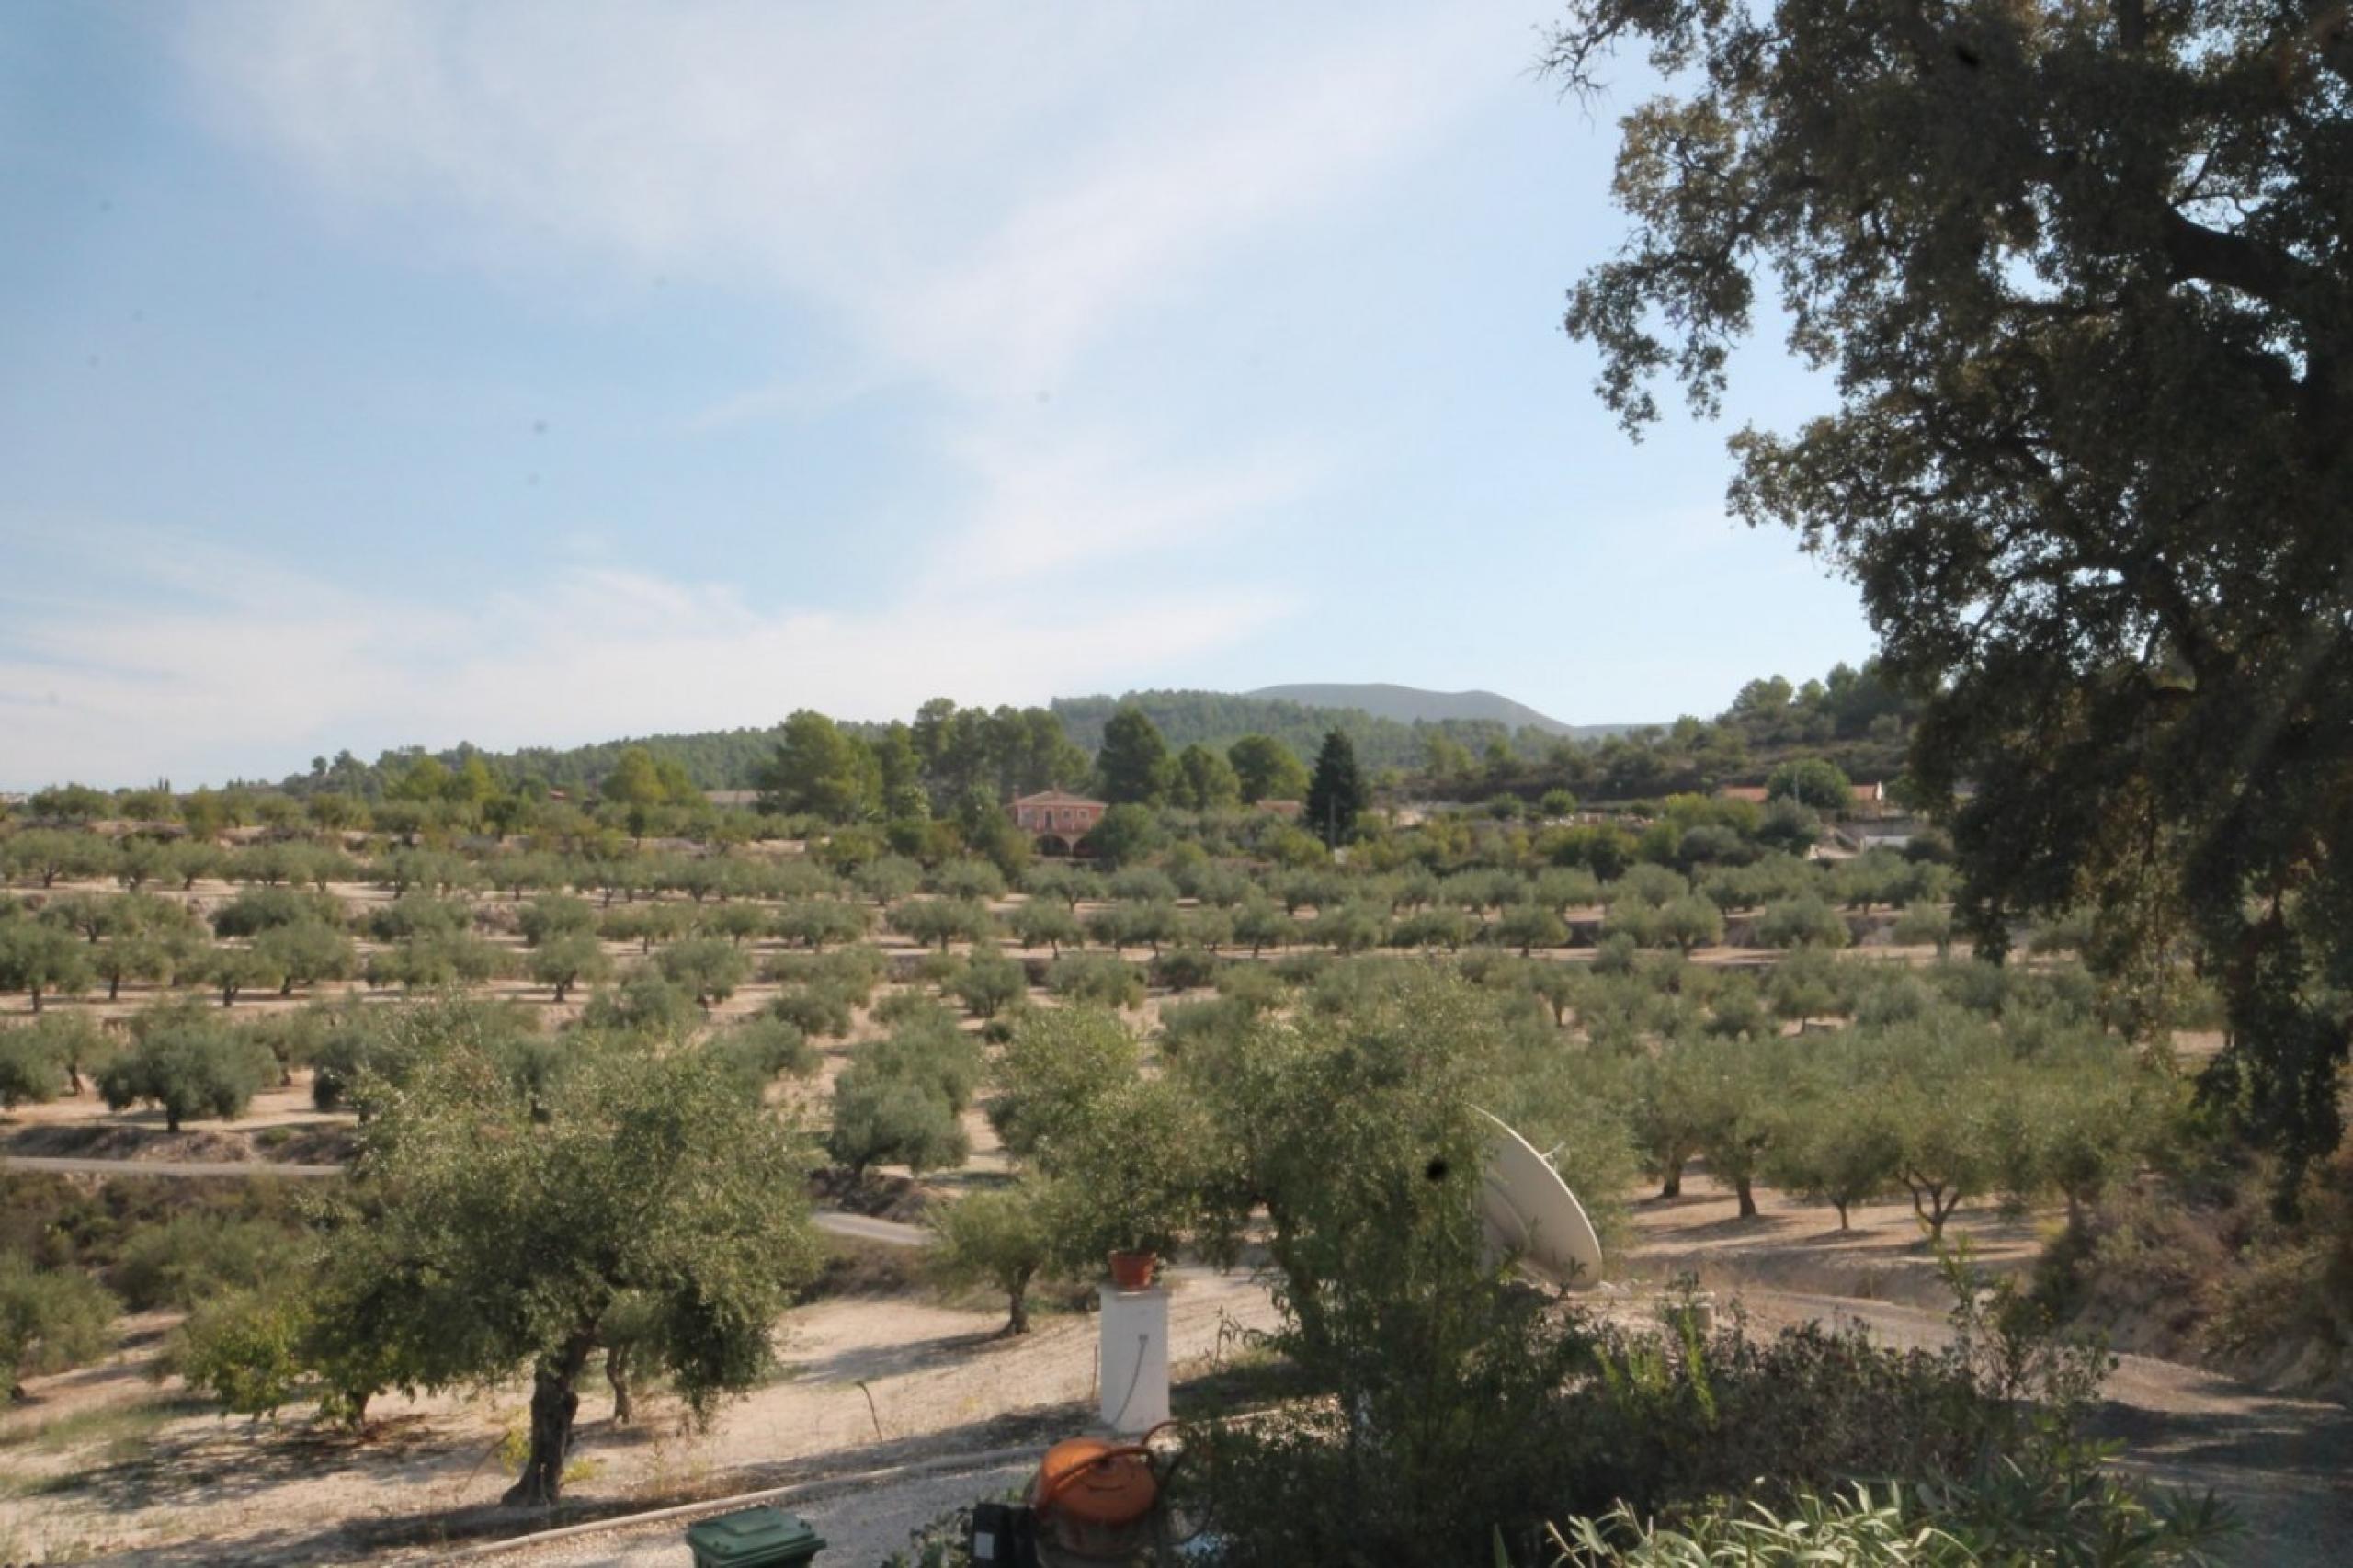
(1529, 1211)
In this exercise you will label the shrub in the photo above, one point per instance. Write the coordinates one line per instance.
(968, 879)
(647, 1003)
(246, 1349)
(427, 961)
(190, 1258)
(411, 914)
(1095, 977)
(564, 959)
(305, 953)
(934, 1054)
(824, 1011)
(553, 915)
(1527, 926)
(1040, 924)
(31, 1070)
(43, 960)
(1184, 969)
(815, 922)
(756, 1050)
(49, 1320)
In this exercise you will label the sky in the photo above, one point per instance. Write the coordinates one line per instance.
(538, 373)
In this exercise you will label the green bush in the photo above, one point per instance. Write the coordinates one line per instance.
(553, 915)
(647, 1004)
(814, 923)
(31, 1072)
(191, 1258)
(245, 1349)
(757, 1049)
(409, 916)
(1095, 977)
(49, 1320)
(1184, 969)
(932, 1052)
(938, 922)
(822, 1011)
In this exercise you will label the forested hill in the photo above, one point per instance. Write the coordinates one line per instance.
(1851, 719)
(730, 759)
(714, 759)
(1218, 719)
(1411, 704)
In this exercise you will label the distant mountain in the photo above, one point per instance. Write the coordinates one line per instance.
(1412, 705)
(1217, 718)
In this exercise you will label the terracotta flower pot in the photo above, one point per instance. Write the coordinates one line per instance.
(1134, 1271)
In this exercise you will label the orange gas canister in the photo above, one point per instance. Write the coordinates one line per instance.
(1095, 1496)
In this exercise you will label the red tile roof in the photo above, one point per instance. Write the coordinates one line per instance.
(1056, 798)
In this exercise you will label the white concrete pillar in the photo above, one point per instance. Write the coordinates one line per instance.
(1135, 1359)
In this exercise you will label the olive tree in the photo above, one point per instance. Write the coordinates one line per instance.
(494, 1232)
(43, 960)
(813, 922)
(705, 968)
(1058, 1064)
(940, 921)
(999, 1238)
(187, 1064)
(573, 958)
(881, 1118)
(305, 953)
(30, 1072)
(1038, 923)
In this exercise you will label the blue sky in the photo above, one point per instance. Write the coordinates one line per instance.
(535, 373)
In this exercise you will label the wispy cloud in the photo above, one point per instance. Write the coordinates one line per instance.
(981, 190)
(1043, 507)
(251, 668)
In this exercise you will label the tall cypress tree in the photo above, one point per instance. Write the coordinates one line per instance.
(1336, 793)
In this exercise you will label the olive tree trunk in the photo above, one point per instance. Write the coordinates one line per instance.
(616, 1374)
(1017, 1318)
(554, 1402)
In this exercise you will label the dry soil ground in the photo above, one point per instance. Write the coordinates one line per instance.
(107, 1464)
(103, 1465)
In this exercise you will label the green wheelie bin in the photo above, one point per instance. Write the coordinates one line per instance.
(756, 1537)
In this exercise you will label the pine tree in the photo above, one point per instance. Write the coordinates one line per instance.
(1134, 764)
(1336, 793)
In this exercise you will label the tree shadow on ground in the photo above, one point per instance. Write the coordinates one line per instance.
(231, 1459)
(439, 1529)
(865, 1363)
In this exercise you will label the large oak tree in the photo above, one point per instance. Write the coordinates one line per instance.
(2081, 272)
